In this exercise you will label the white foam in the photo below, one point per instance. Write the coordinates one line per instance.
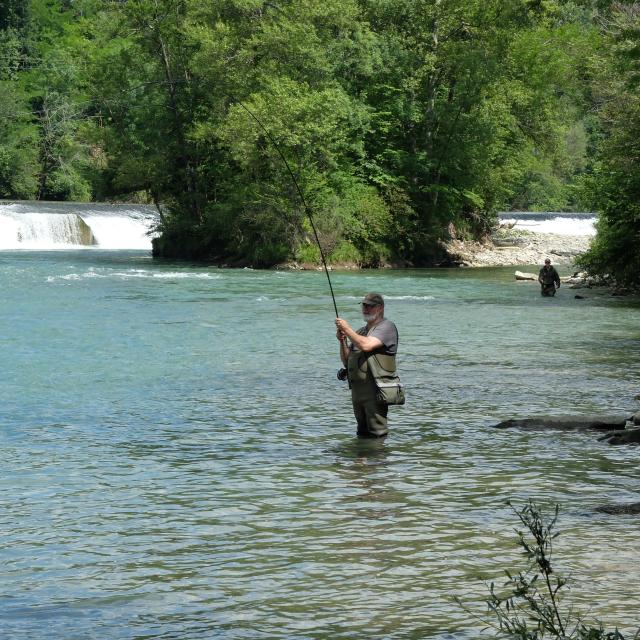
(135, 273)
(69, 276)
(562, 226)
(387, 297)
(196, 276)
(409, 298)
(119, 232)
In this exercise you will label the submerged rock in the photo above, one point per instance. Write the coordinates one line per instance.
(622, 436)
(632, 508)
(598, 423)
(618, 429)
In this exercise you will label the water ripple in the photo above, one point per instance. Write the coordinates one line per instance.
(180, 463)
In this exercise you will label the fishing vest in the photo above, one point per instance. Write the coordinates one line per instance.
(359, 371)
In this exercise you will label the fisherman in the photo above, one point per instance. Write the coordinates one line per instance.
(378, 337)
(549, 279)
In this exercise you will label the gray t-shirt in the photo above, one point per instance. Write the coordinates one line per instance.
(386, 332)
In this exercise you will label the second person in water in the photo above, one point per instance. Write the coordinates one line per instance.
(549, 279)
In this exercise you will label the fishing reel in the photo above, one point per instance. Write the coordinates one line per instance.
(342, 374)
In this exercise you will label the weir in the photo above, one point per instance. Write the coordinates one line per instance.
(40, 226)
(560, 223)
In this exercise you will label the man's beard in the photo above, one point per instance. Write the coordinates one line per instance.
(368, 317)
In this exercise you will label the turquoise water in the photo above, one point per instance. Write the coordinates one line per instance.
(179, 459)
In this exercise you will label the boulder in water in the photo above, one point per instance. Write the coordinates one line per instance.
(575, 423)
(632, 508)
(523, 275)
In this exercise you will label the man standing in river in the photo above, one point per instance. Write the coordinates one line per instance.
(378, 337)
(549, 279)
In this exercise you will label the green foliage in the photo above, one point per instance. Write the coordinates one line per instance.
(396, 118)
(471, 96)
(529, 606)
(615, 183)
(308, 253)
(354, 212)
(18, 153)
(345, 253)
(12, 14)
(43, 117)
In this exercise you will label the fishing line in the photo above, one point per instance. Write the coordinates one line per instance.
(299, 190)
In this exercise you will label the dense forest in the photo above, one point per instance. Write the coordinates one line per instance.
(402, 121)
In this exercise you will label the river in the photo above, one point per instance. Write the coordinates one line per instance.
(179, 459)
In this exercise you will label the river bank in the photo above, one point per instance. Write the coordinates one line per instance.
(503, 248)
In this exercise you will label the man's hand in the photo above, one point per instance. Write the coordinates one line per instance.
(343, 327)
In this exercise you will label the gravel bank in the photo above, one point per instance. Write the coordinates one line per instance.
(517, 248)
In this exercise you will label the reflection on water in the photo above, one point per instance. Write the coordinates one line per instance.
(179, 460)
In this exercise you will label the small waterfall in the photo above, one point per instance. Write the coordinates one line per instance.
(50, 226)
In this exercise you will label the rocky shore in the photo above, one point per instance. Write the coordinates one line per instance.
(508, 247)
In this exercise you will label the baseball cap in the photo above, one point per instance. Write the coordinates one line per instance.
(372, 298)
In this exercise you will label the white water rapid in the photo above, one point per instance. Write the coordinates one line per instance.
(563, 224)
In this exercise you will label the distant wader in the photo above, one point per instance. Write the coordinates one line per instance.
(370, 414)
(549, 281)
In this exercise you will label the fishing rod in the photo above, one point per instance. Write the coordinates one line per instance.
(299, 190)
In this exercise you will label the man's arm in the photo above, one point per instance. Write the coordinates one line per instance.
(364, 343)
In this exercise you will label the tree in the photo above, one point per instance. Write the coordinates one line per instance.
(615, 186)
(396, 117)
(469, 99)
(43, 153)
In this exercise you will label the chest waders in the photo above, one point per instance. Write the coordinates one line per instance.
(370, 413)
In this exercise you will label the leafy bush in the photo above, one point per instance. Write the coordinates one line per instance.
(308, 253)
(531, 607)
(345, 253)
